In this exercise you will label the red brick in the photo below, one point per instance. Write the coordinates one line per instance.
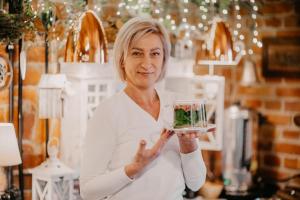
(266, 146)
(33, 75)
(273, 22)
(291, 134)
(31, 160)
(287, 148)
(292, 21)
(257, 50)
(266, 33)
(276, 8)
(288, 92)
(27, 181)
(271, 160)
(288, 33)
(273, 173)
(27, 195)
(292, 163)
(279, 119)
(267, 132)
(27, 149)
(255, 90)
(292, 80)
(4, 114)
(4, 95)
(252, 103)
(274, 80)
(292, 106)
(36, 54)
(273, 105)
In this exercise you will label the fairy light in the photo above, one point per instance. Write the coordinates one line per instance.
(255, 33)
(204, 17)
(225, 12)
(200, 25)
(259, 44)
(238, 23)
(254, 17)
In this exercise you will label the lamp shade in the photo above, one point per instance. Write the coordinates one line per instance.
(9, 150)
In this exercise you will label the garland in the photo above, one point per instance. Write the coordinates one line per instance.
(13, 26)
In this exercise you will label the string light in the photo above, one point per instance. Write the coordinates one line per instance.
(204, 17)
(254, 17)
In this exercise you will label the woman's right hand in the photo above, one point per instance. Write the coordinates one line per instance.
(144, 156)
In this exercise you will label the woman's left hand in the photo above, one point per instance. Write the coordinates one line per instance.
(187, 141)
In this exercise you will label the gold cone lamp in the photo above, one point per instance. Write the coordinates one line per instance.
(87, 42)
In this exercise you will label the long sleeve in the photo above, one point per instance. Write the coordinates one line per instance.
(194, 169)
(96, 182)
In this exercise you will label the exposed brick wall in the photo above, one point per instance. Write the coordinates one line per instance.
(34, 128)
(276, 99)
(277, 139)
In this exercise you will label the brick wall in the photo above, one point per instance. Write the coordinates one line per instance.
(34, 128)
(277, 140)
(277, 99)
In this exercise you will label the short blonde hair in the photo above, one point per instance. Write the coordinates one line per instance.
(132, 31)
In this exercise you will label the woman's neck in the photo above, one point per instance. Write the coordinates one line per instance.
(146, 96)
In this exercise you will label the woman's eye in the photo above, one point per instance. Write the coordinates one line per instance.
(155, 53)
(136, 53)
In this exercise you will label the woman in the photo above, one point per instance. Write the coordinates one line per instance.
(128, 153)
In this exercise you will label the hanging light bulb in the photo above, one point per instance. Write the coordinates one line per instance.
(249, 76)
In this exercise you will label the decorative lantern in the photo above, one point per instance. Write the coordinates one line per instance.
(51, 89)
(52, 180)
(6, 73)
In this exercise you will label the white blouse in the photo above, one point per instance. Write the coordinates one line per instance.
(111, 142)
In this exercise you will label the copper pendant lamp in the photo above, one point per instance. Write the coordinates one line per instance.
(87, 42)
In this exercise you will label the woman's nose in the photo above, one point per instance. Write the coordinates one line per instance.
(146, 63)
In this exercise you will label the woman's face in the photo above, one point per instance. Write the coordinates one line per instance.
(144, 61)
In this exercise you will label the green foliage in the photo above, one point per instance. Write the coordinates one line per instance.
(182, 118)
(185, 118)
(16, 24)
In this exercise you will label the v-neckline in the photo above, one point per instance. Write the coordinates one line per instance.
(144, 111)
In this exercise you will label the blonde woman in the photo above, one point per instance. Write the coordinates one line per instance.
(128, 153)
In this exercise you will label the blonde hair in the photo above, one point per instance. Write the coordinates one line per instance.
(132, 31)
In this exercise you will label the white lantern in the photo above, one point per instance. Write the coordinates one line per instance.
(52, 180)
(51, 89)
